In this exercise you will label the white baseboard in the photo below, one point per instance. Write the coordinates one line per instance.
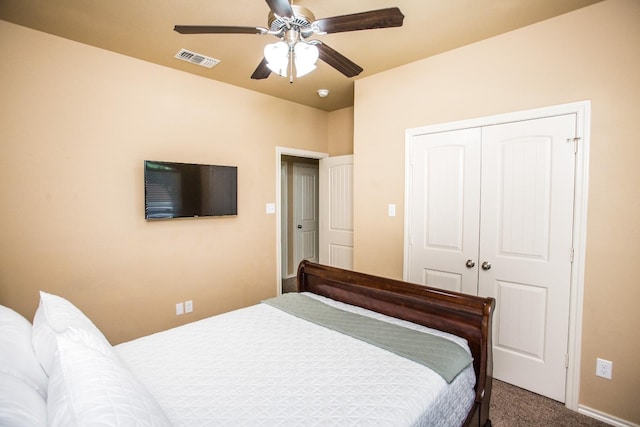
(605, 418)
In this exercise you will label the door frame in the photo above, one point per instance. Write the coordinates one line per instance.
(284, 218)
(582, 109)
(286, 151)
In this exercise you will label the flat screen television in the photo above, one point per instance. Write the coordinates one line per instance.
(183, 190)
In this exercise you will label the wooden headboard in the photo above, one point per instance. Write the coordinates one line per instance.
(466, 316)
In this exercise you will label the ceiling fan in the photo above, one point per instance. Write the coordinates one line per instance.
(293, 25)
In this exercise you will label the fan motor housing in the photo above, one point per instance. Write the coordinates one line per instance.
(302, 17)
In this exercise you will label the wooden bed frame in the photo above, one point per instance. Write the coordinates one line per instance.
(463, 315)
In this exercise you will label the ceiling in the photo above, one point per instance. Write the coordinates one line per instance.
(144, 29)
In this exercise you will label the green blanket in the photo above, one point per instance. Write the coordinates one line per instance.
(443, 356)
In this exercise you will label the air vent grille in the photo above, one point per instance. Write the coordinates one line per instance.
(196, 58)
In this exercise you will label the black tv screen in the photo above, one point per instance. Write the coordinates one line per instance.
(180, 190)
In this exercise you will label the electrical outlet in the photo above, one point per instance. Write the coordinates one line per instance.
(604, 368)
(179, 309)
(188, 306)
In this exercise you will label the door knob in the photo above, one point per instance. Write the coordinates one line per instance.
(486, 265)
(470, 263)
(299, 226)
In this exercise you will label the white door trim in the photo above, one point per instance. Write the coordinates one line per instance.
(582, 110)
(285, 151)
(284, 235)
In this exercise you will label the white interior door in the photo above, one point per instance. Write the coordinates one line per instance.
(526, 243)
(336, 211)
(490, 212)
(444, 213)
(305, 188)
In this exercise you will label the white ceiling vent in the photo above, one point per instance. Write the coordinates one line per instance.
(196, 58)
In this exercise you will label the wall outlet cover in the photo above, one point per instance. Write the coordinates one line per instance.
(604, 368)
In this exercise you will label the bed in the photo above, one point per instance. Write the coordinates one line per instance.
(347, 349)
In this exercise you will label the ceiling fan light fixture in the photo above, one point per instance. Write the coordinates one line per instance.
(277, 56)
(293, 24)
(306, 56)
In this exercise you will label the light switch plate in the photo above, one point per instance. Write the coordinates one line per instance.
(392, 209)
(271, 208)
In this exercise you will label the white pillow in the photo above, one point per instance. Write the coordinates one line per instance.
(17, 357)
(89, 387)
(54, 315)
(20, 404)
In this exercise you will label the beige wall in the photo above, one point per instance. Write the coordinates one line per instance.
(591, 54)
(341, 132)
(76, 124)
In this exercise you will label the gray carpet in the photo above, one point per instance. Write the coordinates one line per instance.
(514, 407)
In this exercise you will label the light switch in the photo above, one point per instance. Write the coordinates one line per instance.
(392, 209)
(271, 208)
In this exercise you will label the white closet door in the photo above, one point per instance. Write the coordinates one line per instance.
(336, 211)
(526, 241)
(501, 198)
(444, 210)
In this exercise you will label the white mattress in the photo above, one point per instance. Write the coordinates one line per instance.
(261, 366)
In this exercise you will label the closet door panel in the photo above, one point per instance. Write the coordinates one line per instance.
(444, 213)
(525, 197)
(526, 238)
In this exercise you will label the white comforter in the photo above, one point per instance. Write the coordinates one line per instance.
(261, 366)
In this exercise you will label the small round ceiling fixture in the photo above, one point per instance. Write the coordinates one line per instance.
(323, 93)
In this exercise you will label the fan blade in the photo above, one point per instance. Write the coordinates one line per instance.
(383, 18)
(338, 61)
(218, 29)
(262, 71)
(281, 8)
